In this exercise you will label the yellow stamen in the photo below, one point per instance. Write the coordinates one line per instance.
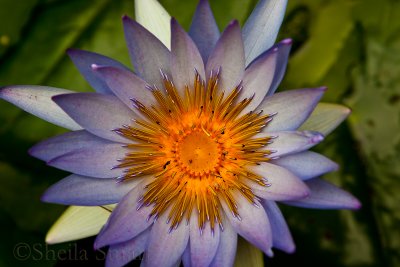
(198, 148)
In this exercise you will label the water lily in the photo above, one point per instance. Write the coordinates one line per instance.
(194, 147)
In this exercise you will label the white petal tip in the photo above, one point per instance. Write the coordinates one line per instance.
(95, 66)
(287, 41)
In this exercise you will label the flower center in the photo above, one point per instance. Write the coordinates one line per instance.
(198, 154)
(198, 149)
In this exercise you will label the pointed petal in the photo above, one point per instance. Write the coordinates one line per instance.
(126, 221)
(76, 223)
(152, 15)
(97, 113)
(83, 60)
(96, 161)
(87, 191)
(326, 117)
(324, 195)
(282, 184)
(225, 255)
(292, 108)
(307, 164)
(203, 244)
(65, 143)
(281, 64)
(148, 54)
(204, 30)
(281, 238)
(253, 223)
(228, 55)
(123, 253)
(126, 85)
(37, 100)
(290, 142)
(185, 58)
(262, 27)
(166, 248)
(258, 78)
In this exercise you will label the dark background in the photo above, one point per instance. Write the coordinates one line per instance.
(351, 46)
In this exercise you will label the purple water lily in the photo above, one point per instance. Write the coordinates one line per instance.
(194, 147)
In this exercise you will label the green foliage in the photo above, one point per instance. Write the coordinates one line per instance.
(351, 46)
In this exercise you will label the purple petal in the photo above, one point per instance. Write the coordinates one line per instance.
(258, 78)
(228, 55)
(166, 247)
(282, 184)
(292, 108)
(37, 100)
(126, 85)
(281, 238)
(95, 161)
(87, 191)
(123, 253)
(186, 257)
(226, 252)
(65, 143)
(307, 164)
(83, 60)
(253, 223)
(262, 27)
(291, 142)
(204, 30)
(185, 58)
(97, 113)
(126, 220)
(204, 243)
(148, 54)
(324, 195)
(281, 64)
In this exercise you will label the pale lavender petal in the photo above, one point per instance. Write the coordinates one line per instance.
(165, 246)
(226, 252)
(65, 143)
(204, 243)
(148, 54)
(228, 55)
(253, 223)
(37, 100)
(123, 253)
(282, 60)
(290, 142)
(282, 184)
(262, 27)
(281, 237)
(87, 191)
(185, 58)
(258, 78)
(126, 85)
(291, 108)
(307, 164)
(204, 30)
(324, 195)
(83, 60)
(97, 113)
(95, 161)
(126, 220)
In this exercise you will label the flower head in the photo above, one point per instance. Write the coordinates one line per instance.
(194, 146)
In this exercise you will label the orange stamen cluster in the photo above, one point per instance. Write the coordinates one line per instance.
(198, 147)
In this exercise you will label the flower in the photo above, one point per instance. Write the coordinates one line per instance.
(195, 147)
